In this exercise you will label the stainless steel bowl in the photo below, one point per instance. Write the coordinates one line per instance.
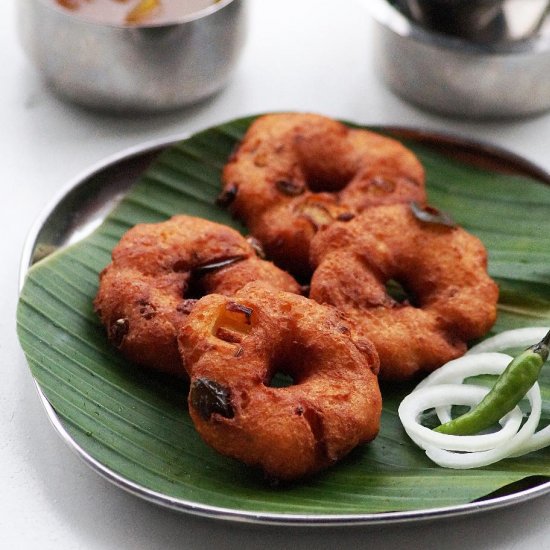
(457, 77)
(140, 68)
(482, 21)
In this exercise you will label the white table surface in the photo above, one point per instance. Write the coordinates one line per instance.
(300, 55)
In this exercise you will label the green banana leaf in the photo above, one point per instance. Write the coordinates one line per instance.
(136, 423)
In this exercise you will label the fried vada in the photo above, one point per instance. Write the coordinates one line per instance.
(450, 298)
(232, 347)
(294, 174)
(157, 273)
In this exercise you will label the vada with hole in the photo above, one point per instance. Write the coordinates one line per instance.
(232, 347)
(450, 297)
(294, 174)
(157, 273)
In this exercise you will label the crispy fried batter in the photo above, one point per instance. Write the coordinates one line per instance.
(294, 174)
(233, 346)
(157, 273)
(443, 269)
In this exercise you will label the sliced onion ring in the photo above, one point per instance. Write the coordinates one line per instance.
(443, 388)
(515, 444)
(516, 338)
(433, 396)
(454, 372)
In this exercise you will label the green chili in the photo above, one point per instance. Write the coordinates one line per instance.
(510, 387)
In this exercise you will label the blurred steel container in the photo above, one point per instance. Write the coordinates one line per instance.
(478, 20)
(457, 77)
(142, 68)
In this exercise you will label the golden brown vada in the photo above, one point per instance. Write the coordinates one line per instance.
(157, 273)
(451, 298)
(294, 174)
(232, 347)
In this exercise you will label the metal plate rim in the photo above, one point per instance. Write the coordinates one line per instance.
(269, 518)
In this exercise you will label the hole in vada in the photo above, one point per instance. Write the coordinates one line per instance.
(322, 174)
(194, 287)
(194, 290)
(321, 185)
(401, 294)
(280, 380)
(289, 366)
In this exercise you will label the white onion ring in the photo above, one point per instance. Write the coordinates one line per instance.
(484, 458)
(434, 396)
(516, 338)
(538, 440)
(443, 388)
(454, 372)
